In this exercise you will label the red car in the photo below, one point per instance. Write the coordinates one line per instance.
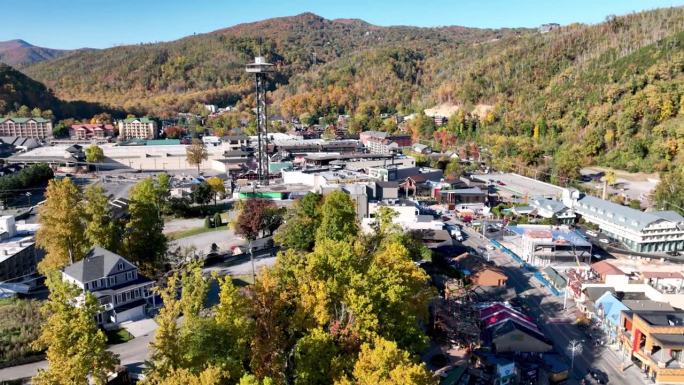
(500, 183)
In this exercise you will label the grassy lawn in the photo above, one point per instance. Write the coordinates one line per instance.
(118, 336)
(190, 232)
(20, 322)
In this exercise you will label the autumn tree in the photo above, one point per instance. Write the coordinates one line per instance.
(166, 351)
(76, 348)
(209, 376)
(217, 187)
(338, 217)
(100, 228)
(94, 154)
(196, 153)
(144, 241)
(383, 363)
(269, 345)
(61, 231)
(669, 193)
(256, 217)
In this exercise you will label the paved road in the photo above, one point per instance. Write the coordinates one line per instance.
(556, 322)
(224, 239)
(132, 354)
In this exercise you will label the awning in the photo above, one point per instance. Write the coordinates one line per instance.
(555, 278)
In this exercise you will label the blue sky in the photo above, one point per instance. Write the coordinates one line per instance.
(103, 23)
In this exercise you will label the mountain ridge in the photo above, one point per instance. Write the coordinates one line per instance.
(18, 53)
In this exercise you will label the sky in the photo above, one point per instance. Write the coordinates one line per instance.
(72, 24)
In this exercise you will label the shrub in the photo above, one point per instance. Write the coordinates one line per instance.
(217, 220)
(20, 326)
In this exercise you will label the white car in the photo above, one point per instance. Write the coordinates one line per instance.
(592, 233)
(604, 240)
(490, 247)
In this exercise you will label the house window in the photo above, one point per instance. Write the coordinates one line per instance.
(128, 296)
(85, 286)
(121, 266)
(94, 284)
(119, 298)
(129, 275)
(111, 281)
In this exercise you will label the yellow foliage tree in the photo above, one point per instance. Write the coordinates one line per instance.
(383, 363)
(76, 348)
(61, 232)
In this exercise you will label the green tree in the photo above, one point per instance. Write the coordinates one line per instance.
(338, 217)
(301, 222)
(23, 112)
(100, 227)
(76, 348)
(317, 359)
(36, 112)
(94, 154)
(144, 241)
(201, 193)
(61, 231)
(196, 153)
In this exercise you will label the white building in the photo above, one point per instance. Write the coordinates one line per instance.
(137, 128)
(124, 294)
(18, 253)
(657, 231)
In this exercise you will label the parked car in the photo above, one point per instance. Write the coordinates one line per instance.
(490, 247)
(598, 375)
(604, 241)
(592, 233)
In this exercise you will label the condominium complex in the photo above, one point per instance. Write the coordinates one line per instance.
(91, 131)
(38, 128)
(137, 128)
(648, 232)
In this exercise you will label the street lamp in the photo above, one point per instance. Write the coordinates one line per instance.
(574, 347)
(28, 195)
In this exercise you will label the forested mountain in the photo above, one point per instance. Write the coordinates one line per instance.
(20, 53)
(167, 76)
(609, 93)
(17, 89)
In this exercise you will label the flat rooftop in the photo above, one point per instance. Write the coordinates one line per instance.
(520, 186)
(559, 235)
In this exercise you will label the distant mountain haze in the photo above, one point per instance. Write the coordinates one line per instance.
(19, 53)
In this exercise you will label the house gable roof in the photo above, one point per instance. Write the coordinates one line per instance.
(97, 263)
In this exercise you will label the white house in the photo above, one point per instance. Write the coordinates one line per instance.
(123, 293)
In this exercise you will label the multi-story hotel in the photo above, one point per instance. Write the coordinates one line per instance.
(38, 128)
(646, 232)
(137, 128)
